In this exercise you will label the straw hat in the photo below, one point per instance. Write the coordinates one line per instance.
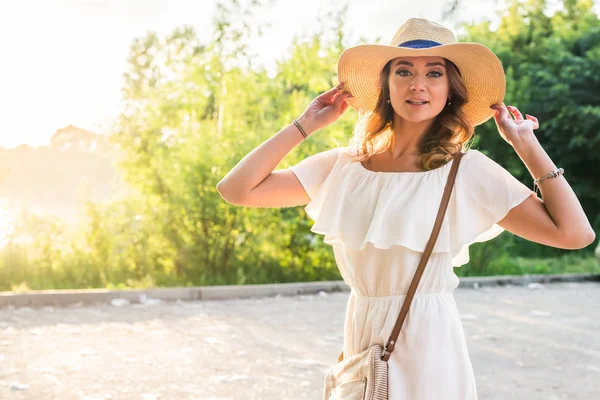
(359, 67)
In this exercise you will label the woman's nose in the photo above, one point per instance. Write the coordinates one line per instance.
(417, 84)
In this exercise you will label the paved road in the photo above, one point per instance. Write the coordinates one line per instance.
(524, 343)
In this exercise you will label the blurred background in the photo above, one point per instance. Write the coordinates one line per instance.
(120, 117)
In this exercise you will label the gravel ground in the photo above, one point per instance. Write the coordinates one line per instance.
(537, 342)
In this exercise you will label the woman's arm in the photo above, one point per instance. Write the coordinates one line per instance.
(257, 165)
(557, 219)
(256, 168)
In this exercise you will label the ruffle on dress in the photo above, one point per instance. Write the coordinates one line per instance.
(354, 206)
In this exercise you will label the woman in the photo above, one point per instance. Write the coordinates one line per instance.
(375, 201)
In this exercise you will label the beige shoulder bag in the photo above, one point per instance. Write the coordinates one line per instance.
(364, 376)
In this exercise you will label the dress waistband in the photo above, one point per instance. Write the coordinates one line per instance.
(400, 296)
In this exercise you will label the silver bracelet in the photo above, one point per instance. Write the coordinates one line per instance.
(551, 174)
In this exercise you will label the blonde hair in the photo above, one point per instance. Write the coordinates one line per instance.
(449, 133)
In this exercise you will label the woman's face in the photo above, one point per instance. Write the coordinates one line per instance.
(419, 87)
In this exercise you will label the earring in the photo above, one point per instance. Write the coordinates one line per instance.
(388, 101)
(449, 103)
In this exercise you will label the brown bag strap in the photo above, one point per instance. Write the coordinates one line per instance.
(424, 259)
(389, 347)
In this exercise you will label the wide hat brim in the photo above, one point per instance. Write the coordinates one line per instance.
(359, 68)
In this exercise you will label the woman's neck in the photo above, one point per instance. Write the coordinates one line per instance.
(406, 136)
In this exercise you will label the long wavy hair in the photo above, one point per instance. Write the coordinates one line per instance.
(449, 133)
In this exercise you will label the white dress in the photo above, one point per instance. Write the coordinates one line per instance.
(378, 224)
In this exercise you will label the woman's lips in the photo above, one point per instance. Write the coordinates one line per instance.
(416, 105)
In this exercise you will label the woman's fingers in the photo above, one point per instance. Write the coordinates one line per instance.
(344, 107)
(502, 112)
(340, 100)
(515, 112)
(533, 119)
(331, 93)
(504, 118)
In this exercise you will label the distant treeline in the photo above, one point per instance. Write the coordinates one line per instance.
(195, 108)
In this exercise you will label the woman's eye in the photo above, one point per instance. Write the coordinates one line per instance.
(405, 72)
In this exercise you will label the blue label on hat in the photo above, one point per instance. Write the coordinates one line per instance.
(419, 44)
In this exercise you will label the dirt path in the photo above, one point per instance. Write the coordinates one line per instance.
(524, 344)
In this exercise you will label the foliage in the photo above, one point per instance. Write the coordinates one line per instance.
(552, 65)
(194, 108)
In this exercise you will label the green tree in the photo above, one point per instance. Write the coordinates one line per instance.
(552, 65)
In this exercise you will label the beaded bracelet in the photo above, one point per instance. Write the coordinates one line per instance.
(551, 174)
(301, 129)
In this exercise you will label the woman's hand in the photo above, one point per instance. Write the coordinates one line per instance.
(324, 109)
(512, 130)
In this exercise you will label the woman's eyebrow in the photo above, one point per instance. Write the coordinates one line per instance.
(431, 64)
(435, 63)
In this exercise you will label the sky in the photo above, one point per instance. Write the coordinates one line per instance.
(63, 60)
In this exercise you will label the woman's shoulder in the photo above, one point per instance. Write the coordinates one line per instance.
(332, 155)
(473, 153)
(336, 151)
(475, 159)
(478, 159)
(482, 173)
